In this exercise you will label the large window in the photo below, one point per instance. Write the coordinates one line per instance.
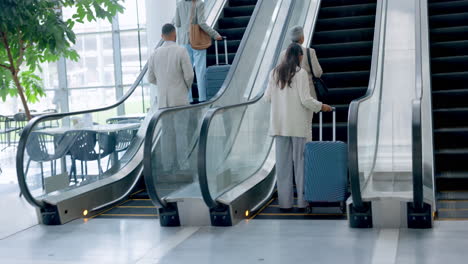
(96, 79)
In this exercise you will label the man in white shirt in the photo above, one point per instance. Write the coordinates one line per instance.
(169, 68)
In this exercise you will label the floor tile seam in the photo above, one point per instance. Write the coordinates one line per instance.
(150, 256)
(18, 232)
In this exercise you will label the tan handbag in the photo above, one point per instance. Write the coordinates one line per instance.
(199, 40)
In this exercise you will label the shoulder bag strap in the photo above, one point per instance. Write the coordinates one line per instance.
(310, 63)
(192, 12)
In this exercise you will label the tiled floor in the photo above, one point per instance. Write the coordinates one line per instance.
(15, 213)
(257, 241)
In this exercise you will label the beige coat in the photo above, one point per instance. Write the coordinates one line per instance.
(169, 68)
(291, 107)
(305, 65)
(182, 21)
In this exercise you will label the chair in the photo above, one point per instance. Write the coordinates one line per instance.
(43, 147)
(84, 149)
(6, 129)
(123, 137)
(20, 121)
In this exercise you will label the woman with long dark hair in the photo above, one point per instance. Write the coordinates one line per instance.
(292, 108)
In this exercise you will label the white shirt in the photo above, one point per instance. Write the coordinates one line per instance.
(292, 107)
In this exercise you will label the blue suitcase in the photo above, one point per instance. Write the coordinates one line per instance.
(326, 170)
(215, 75)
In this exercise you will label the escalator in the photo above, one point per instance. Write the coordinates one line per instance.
(89, 163)
(232, 24)
(171, 151)
(448, 24)
(343, 41)
(245, 179)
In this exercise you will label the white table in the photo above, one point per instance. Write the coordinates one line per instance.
(130, 116)
(107, 128)
(99, 129)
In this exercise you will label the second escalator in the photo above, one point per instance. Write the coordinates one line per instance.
(343, 41)
(448, 21)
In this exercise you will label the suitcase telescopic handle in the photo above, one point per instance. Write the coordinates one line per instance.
(226, 57)
(321, 124)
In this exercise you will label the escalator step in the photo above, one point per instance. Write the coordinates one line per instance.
(449, 48)
(344, 64)
(345, 23)
(449, 98)
(453, 204)
(449, 20)
(233, 22)
(345, 95)
(239, 11)
(341, 114)
(449, 34)
(450, 117)
(347, 11)
(448, 7)
(451, 162)
(346, 49)
(444, 1)
(347, 35)
(449, 195)
(346, 79)
(449, 64)
(234, 3)
(452, 214)
(451, 138)
(328, 3)
(233, 33)
(449, 81)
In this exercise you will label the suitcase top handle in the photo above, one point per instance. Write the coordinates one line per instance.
(321, 124)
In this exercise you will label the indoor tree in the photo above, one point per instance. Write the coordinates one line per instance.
(33, 32)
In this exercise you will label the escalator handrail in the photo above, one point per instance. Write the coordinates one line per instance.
(56, 116)
(353, 117)
(202, 150)
(416, 126)
(150, 181)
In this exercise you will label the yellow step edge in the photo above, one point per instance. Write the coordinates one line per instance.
(453, 209)
(136, 206)
(146, 215)
(285, 214)
(452, 219)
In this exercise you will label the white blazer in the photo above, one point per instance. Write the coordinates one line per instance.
(169, 68)
(292, 107)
